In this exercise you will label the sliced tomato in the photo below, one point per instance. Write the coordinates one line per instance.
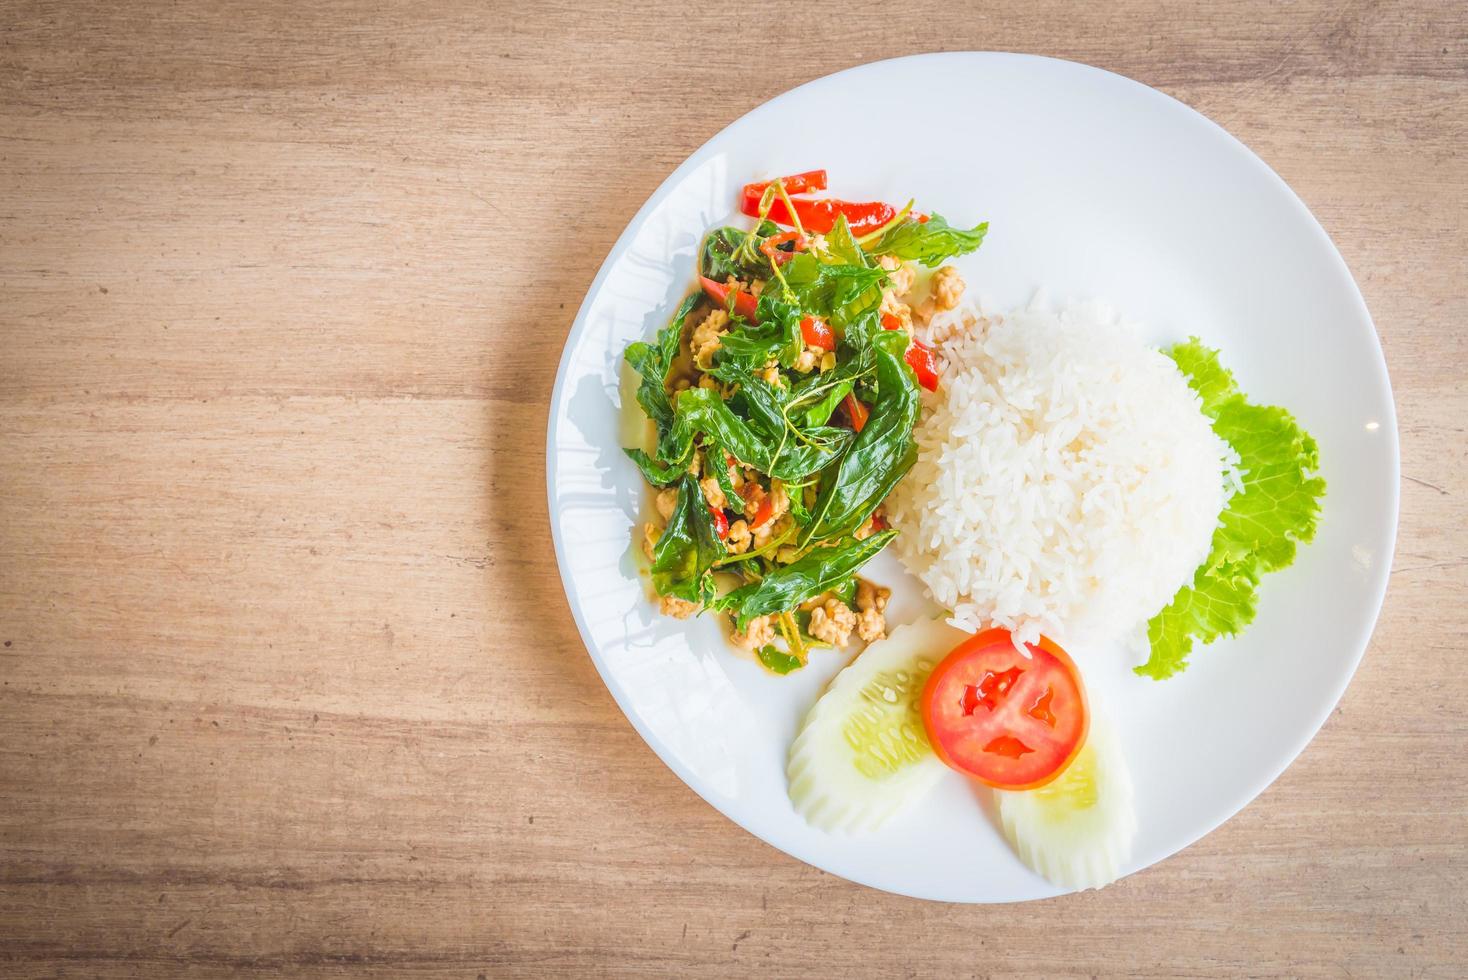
(817, 333)
(1006, 720)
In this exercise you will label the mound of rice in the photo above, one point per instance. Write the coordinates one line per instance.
(1067, 482)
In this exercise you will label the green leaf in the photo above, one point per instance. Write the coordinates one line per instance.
(787, 586)
(778, 661)
(1280, 502)
(839, 292)
(930, 242)
(762, 403)
(658, 474)
(843, 245)
(1262, 525)
(735, 252)
(798, 510)
(775, 337)
(830, 394)
(1206, 375)
(815, 397)
(687, 549)
(714, 458)
(796, 455)
(1221, 601)
(881, 454)
(653, 361)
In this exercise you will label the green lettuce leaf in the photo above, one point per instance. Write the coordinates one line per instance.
(1277, 510)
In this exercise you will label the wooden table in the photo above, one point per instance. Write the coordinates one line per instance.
(288, 682)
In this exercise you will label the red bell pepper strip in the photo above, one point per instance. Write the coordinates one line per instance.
(721, 523)
(745, 304)
(806, 183)
(856, 411)
(924, 363)
(817, 333)
(820, 215)
(770, 247)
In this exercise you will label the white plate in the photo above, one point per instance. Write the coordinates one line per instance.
(1095, 187)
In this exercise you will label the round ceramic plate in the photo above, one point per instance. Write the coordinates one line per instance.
(1094, 187)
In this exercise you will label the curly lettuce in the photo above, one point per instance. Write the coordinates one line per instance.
(1276, 509)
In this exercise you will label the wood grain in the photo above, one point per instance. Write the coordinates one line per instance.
(288, 684)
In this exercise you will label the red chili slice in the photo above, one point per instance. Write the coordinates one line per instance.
(745, 304)
(805, 183)
(817, 333)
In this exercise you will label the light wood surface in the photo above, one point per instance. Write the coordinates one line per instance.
(288, 683)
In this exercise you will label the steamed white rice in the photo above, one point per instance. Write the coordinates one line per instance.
(1067, 481)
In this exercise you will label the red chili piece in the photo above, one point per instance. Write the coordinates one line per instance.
(856, 411)
(745, 304)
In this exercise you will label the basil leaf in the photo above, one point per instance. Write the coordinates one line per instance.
(658, 474)
(653, 361)
(713, 456)
(735, 252)
(687, 549)
(756, 399)
(775, 337)
(779, 662)
(701, 410)
(787, 586)
(881, 454)
(820, 412)
(930, 242)
(840, 292)
(798, 510)
(841, 244)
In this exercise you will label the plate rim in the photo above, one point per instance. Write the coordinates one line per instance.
(619, 247)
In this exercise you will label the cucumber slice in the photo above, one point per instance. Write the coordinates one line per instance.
(863, 754)
(1077, 831)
